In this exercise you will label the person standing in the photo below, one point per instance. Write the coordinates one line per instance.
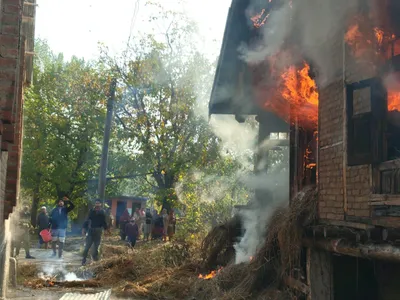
(171, 224)
(165, 218)
(123, 220)
(138, 220)
(43, 223)
(132, 231)
(59, 223)
(148, 223)
(93, 229)
(21, 236)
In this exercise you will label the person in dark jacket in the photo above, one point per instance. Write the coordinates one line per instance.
(93, 229)
(132, 231)
(123, 220)
(148, 224)
(59, 223)
(42, 223)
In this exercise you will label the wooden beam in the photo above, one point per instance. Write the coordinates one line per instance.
(389, 165)
(384, 252)
(30, 4)
(384, 199)
(308, 272)
(345, 224)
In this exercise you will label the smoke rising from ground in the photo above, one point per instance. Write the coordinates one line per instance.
(59, 272)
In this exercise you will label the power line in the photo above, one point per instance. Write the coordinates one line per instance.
(133, 20)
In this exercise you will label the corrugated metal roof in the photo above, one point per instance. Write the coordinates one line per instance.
(105, 295)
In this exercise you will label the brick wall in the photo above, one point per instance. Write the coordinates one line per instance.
(342, 189)
(12, 54)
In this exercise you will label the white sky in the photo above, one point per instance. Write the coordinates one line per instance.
(74, 27)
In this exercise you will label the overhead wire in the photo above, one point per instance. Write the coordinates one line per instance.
(133, 20)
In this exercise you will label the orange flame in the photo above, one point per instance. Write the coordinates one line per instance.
(210, 275)
(300, 91)
(379, 34)
(393, 99)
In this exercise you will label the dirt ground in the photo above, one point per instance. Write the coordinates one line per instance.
(28, 269)
(119, 268)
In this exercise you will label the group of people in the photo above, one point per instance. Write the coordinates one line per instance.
(132, 226)
(148, 224)
(57, 222)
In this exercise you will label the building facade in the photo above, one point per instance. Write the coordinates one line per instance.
(346, 54)
(16, 57)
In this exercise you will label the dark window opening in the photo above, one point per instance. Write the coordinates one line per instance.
(354, 279)
(366, 110)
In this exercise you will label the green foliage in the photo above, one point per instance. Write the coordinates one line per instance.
(64, 113)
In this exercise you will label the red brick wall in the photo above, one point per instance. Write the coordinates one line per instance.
(12, 53)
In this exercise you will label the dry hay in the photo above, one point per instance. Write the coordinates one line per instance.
(114, 269)
(112, 250)
(217, 247)
(165, 283)
(26, 271)
(278, 255)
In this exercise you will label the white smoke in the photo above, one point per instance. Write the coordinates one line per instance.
(314, 26)
(59, 272)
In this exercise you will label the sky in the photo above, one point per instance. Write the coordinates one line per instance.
(75, 27)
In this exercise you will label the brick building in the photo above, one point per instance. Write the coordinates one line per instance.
(351, 252)
(16, 57)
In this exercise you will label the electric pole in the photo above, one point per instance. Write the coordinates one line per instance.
(106, 141)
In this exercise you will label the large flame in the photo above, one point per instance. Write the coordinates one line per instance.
(300, 92)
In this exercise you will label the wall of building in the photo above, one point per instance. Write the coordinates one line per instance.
(343, 190)
(13, 35)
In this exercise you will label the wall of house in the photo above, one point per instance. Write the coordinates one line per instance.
(12, 82)
(343, 190)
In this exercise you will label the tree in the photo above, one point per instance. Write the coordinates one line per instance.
(158, 116)
(64, 116)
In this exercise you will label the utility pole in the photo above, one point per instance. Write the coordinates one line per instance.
(106, 141)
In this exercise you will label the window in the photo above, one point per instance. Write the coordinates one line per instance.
(366, 115)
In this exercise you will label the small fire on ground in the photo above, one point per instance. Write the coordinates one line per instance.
(210, 275)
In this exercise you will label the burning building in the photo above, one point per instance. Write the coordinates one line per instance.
(327, 75)
(16, 56)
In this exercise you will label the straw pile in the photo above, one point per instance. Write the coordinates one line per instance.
(217, 248)
(279, 254)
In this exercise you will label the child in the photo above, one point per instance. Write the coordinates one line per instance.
(132, 232)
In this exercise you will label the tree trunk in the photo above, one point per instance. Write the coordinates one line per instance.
(35, 205)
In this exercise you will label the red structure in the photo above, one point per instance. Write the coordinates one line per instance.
(119, 204)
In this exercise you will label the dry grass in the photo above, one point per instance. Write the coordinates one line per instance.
(25, 272)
